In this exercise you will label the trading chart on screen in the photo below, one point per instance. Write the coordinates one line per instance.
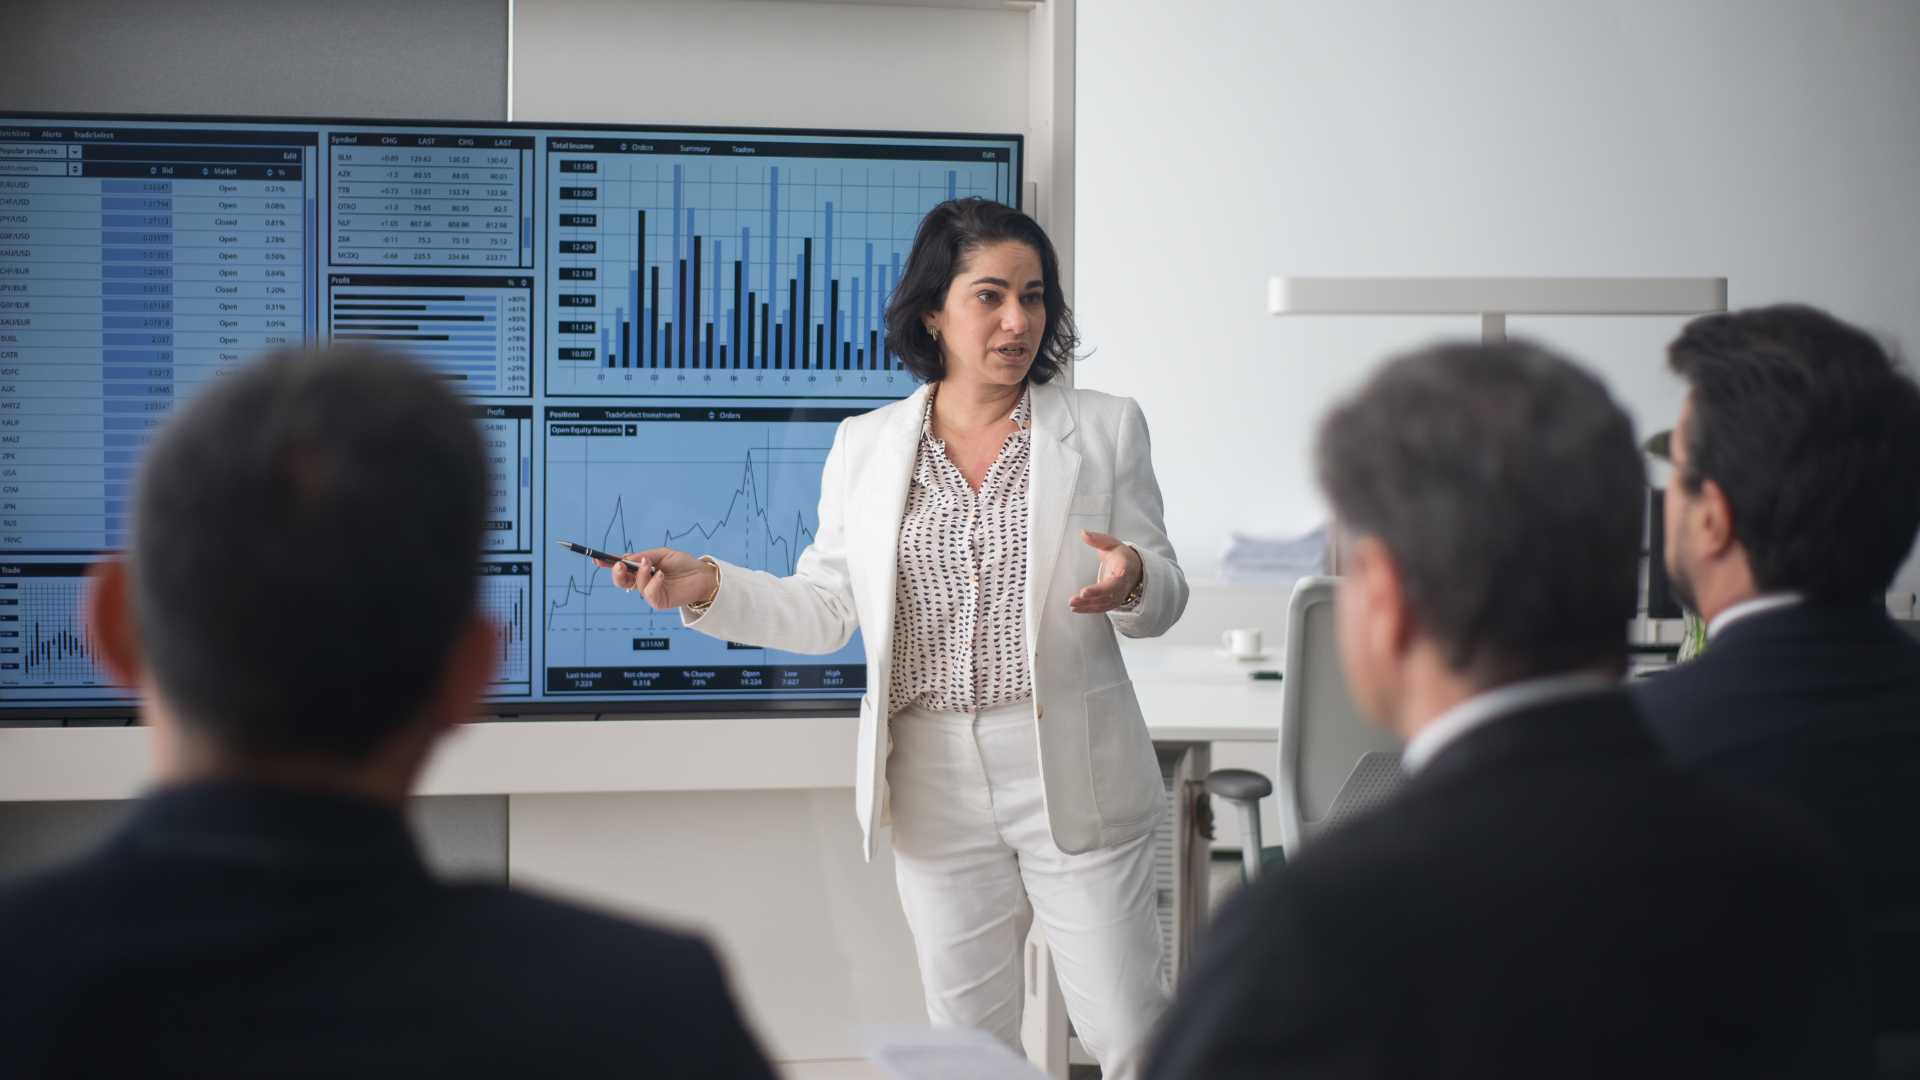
(659, 330)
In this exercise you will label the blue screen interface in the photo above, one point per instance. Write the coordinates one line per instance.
(658, 329)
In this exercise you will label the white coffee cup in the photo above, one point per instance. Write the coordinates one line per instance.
(1243, 644)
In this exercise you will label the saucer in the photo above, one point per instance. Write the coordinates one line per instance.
(1247, 659)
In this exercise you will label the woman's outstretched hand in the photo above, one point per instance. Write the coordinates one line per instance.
(1120, 570)
(666, 578)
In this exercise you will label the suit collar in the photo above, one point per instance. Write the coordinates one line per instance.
(877, 502)
(273, 826)
(1583, 729)
(1051, 482)
(1757, 605)
(1485, 707)
(903, 426)
(1816, 618)
(1054, 413)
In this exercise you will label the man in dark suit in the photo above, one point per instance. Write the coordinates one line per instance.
(1543, 897)
(1794, 500)
(298, 612)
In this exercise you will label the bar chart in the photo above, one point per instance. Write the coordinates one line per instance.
(763, 273)
(505, 600)
(474, 331)
(44, 643)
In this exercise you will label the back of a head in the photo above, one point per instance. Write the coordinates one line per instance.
(1506, 485)
(1813, 432)
(304, 545)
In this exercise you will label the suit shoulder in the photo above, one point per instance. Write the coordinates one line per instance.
(1685, 705)
(28, 904)
(1098, 403)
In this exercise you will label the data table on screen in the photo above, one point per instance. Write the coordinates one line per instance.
(740, 483)
(133, 270)
(430, 199)
(742, 268)
(475, 331)
(506, 432)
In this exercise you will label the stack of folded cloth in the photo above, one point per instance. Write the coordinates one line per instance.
(1275, 558)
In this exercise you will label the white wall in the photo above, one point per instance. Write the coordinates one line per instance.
(1772, 141)
(424, 59)
(771, 63)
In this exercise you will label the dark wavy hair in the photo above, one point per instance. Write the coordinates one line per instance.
(948, 234)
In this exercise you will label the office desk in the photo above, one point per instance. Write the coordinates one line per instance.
(1194, 693)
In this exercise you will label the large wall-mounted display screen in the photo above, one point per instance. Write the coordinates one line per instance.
(658, 328)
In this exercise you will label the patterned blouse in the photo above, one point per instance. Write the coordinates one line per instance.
(960, 639)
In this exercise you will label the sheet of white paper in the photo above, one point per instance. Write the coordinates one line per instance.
(945, 1053)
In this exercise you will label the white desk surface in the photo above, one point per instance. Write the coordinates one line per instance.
(1196, 693)
(1188, 693)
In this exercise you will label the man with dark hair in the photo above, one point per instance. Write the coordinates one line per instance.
(1543, 897)
(1795, 497)
(298, 611)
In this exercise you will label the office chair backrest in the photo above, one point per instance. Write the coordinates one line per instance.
(1334, 763)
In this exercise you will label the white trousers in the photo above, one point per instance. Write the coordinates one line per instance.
(976, 864)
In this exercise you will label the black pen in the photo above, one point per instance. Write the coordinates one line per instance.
(582, 549)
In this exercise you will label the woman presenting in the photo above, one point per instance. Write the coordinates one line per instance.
(989, 534)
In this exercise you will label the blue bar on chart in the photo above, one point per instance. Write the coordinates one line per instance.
(741, 266)
(475, 331)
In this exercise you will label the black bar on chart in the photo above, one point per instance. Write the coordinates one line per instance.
(640, 268)
(806, 301)
(698, 327)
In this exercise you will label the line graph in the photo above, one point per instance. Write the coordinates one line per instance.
(740, 484)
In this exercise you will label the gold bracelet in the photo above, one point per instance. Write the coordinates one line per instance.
(701, 607)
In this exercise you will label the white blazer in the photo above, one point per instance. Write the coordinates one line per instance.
(1090, 469)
